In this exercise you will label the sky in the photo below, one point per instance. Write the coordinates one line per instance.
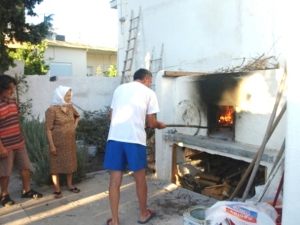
(88, 22)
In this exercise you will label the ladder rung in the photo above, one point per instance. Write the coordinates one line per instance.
(129, 59)
(132, 28)
(135, 18)
(128, 50)
(130, 39)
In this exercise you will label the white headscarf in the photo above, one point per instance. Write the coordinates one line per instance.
(59, 95)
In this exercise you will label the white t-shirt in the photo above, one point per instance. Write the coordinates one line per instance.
(130, 104)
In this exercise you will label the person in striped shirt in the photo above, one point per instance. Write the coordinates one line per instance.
(12, 144)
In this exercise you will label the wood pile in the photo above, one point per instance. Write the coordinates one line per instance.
(212, 175)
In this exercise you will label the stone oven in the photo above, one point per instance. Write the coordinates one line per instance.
(224, 114)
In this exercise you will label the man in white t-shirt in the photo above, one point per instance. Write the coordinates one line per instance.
(133, 107)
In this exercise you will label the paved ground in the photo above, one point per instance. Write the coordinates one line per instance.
(90, 206)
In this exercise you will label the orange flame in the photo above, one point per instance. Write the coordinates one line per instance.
(226, 115)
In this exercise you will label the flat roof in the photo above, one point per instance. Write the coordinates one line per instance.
(66, 44)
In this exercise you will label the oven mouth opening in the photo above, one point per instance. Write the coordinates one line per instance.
(221, 122)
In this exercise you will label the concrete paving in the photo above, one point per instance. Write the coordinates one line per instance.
(91, 206)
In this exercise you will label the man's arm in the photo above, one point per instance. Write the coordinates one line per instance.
(152, 122)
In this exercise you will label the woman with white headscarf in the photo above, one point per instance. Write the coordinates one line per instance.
(61, 122)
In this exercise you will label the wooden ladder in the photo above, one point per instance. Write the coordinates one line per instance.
(130, 50)
(156, 64)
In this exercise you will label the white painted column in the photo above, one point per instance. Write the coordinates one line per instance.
(163, 150)
(291, 198)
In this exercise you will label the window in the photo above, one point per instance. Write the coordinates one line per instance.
(89, 71)
(61, 69)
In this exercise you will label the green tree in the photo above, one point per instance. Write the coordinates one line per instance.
(14, 28)
(33, 58)
(111, 71)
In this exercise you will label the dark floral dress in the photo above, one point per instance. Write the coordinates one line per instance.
(62, 126)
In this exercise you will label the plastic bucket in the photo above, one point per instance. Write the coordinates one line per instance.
(195, 216)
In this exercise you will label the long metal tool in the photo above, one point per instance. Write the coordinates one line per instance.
(186, 125)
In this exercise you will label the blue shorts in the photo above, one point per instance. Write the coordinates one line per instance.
(120, 156)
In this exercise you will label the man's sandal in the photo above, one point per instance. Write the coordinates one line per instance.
(152, 214)
(74, 190)
(31, 194)
(7, 201)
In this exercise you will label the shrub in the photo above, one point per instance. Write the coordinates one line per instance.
(37, 147)
(93, 128)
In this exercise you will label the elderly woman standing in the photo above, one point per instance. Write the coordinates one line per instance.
(61, 122)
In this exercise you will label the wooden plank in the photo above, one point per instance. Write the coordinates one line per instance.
(174, 164)
(181, 73)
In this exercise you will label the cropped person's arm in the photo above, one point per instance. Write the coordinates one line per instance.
(3, 150)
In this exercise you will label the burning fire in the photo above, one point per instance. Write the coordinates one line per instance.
(226, 115)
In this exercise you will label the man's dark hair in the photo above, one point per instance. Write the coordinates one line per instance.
(5, 80)
(140, 74)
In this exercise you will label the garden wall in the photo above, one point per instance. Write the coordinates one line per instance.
(89, 93)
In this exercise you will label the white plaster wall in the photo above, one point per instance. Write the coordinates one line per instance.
(166, 87)
(189, 107)
(77, 57)
(256, 99)
(291, 200)
(17, 70)
(89, 93)
(201, 35)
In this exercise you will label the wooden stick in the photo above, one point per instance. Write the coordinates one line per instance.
(273, 173)
(250, 167)
(266, 137)
(278, 157)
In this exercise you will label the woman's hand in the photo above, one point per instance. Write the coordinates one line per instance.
(53, 150)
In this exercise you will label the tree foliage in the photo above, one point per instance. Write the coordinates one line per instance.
(14, 28)
(111, 71)
(33, 58)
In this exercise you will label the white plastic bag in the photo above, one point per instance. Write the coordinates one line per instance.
(240, 213)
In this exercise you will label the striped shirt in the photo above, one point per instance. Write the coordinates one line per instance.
(10, 129)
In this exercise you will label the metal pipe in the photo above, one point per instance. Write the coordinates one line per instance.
(186, 125)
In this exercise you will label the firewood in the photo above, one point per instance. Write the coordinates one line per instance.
(209, 177)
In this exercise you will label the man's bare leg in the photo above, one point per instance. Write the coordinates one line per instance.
(4, 185)
(141, 191)
(25, 174)
(114, 195)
